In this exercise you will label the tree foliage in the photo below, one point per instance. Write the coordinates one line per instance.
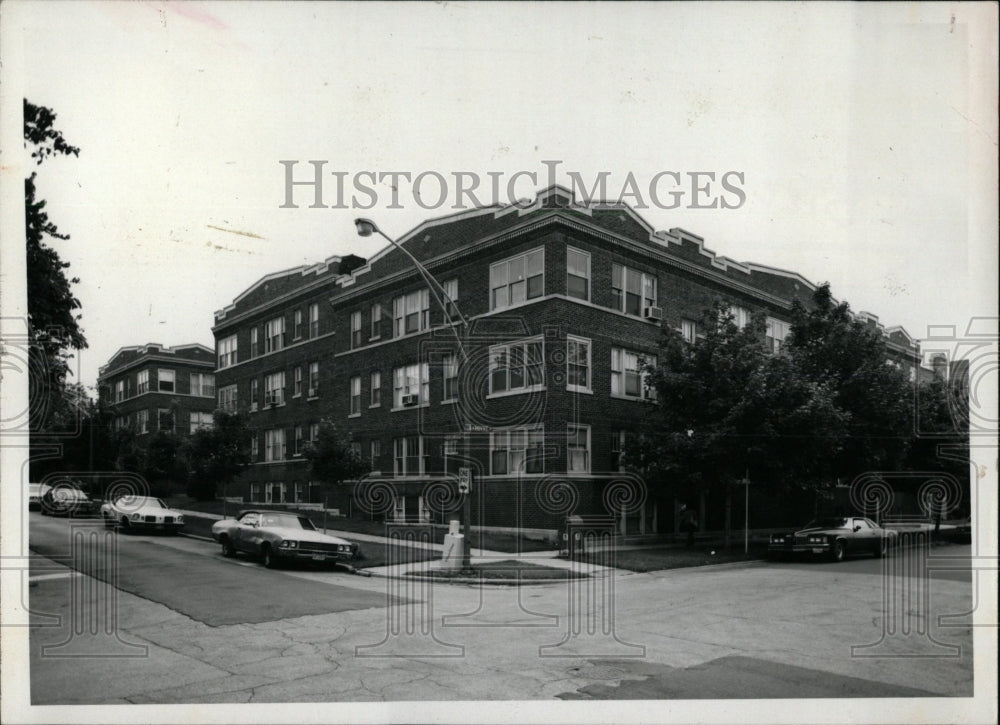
(216, 455)
(331, 457)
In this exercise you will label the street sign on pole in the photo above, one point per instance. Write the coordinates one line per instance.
(464, 480)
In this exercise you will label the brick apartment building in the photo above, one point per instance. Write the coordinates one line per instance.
(537, 394)
(152, 387)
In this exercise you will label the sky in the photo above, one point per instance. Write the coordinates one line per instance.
(865, 136)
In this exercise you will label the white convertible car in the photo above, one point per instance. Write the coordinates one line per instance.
(141, 513)
(279, 536)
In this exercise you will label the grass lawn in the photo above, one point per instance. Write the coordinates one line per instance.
(657, 558)
(507, 570)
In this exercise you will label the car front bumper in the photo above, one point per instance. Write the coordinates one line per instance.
(799, 548)
(297, 554)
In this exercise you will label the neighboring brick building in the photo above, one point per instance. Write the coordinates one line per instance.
(563, 304)
(152, 387)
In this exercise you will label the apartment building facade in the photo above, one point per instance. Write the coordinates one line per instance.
(153, 388)
(523, 366)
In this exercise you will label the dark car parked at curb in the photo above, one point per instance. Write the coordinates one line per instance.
(834, 537)
(279, 536)
(69, 501)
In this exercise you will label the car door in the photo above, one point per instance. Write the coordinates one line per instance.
(864, 535)
(246, 530)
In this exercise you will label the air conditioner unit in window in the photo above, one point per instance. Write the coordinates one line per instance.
(253, 407)
(409, 400)
(653, 313)
(311, 393)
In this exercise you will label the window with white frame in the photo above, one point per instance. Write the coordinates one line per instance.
(203, 384)
(297, 325)
(254, 394)
(449, 455)
(578, 274)
(411, 313)
(255, 494)
(274, 334)
(399, 508)
(314, 432)
(314, 320)
(142, 421)
(254, 446)
(632, 290)
(142, 382)
(165, 380)
(517, 279)
(777, 331)
(578, 448)
(355, 450)
(627, 376)
(299, 440)
(227, 352)
(274, 444)
(375, 393)
(356, 395)
(411, 380)
(164, 419)
(517, 366)
(376, 315)
(689, 330)
(297, 381)
(741, 316)
(356, 329)
(621, 440)
(450, 299)
(119, 391)
(313, 390)
(449, 373)
(254, 341)
(274, 388)
(376, 452)
(577, 364)
(408, 456)
(197, 421)
(228, 398)
(517, 450)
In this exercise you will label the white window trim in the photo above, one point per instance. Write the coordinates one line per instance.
(420, 457)
(642, 289)
(589, 449)
(517, 391)
(646, 392)
(589, 388)
(507, 260)
(590, 283)
(527, 430)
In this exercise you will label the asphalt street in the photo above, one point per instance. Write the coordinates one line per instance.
(161, 619)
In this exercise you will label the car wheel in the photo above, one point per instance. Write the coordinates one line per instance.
(227, 547)
(839, 550)
(266, 557)
(109, 523)
(126, 525)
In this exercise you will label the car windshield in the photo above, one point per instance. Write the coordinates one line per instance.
(829, 522)
(69, 493)
(140, 501)
(288, 521)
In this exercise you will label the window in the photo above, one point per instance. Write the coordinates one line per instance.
(375, 397)
(620, 442)
(197, 421)
(313, 432)
(313, 379)
(299, 441)
(517, 279)
(254, 446)
(632, 290)
(274, 334)
(411, 380)
(356, 450)
(314, 320)
(399, 508)
(297, 325)
(274, 444)
(227, 398)
(408, 458)
(376, 451)
(274, 388)
(165, 380)
(411, 313)
(297, 381)
(164, 419)
(777, 331)
(254, 394)
(578, 274)
(627, 378)
(300, 493)
(578, 448)
(255, 495)
(142, 421)
(376, 332)
(254, 341)
(689, 330)
(518, 366)
(142, 382)
(356, 395)
(578, 364)
(203, 384)
(449, 371)
(356, 329)
(119, 391)
(741, 316)
(449, 455)
(517, 450)
(450, 299)
(227, 352)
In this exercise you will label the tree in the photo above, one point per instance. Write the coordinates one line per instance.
(53, 323)
(216, 455)
(332, 458)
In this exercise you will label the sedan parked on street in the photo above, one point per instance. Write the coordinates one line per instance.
(280, 536)
(141, 513)
(835, 537)
(67, 500)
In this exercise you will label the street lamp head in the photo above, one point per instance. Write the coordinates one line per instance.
(366, 227)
